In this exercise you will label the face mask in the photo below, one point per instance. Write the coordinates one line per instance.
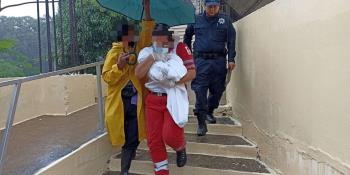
(160, 50)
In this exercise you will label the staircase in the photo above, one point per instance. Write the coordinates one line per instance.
(223, 151)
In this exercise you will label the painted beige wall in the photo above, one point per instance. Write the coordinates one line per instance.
(59, 95)
(80, 92)
(36, 98)
(291, 88)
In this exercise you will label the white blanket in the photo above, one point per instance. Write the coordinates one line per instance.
(177, 98)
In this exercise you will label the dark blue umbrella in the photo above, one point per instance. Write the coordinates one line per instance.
(238, 9)
(170, 12)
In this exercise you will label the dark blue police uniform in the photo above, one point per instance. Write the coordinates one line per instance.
(214, 40)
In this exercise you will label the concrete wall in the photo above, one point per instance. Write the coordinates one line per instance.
(59, 95)
(291, 88)
(90, 159)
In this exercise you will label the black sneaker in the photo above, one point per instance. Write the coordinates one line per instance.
(211, 119)
(181, 158)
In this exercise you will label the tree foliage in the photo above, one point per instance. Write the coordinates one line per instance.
(22, 32)
(17, 66)
(96, 31)
(6, 44)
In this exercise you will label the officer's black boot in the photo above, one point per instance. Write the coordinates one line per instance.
(127, 156)
(210, 117)
(202, 125)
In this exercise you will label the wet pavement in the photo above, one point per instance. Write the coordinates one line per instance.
(36, 143)
(217, 139)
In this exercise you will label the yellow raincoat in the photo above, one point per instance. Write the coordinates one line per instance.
(116, 80)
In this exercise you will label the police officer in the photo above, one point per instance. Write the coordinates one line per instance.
(214, 40)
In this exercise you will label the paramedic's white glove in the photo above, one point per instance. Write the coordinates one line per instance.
(172, 83)
(169, 83)
(159, 57)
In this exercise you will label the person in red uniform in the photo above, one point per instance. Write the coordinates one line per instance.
(185, 54)
(161, 128)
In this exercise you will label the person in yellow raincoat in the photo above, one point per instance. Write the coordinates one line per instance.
(124, 106)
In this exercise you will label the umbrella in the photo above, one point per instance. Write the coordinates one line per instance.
(237, 9)
(170, 12)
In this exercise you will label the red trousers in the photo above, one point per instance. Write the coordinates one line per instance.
(161, 131)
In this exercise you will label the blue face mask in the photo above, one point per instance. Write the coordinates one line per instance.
(160, 50)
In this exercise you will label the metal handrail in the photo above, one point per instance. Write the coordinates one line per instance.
(17, 87)
(50, 74)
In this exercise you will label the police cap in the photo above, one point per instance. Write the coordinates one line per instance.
(212, 2)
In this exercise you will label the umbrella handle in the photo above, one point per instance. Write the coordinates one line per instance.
(143, 11)
(147, 15)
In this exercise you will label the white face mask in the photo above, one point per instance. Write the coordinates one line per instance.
(160, 50)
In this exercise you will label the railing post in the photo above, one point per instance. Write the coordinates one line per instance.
(101, 126)
(9, 123)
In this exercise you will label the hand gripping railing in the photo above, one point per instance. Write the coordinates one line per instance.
(17, 87)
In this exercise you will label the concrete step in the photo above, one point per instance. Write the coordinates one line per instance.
(222, 151)
(219, 120)
(217, 145)
(223, 110)
(198, 164)
(218, 140)
(231, 130)
(224, 138)
(224, 126)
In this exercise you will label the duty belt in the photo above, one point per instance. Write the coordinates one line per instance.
(210, 55)
(159, 94)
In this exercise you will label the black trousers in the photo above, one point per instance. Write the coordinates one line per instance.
(210, 76)
(130, 125)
